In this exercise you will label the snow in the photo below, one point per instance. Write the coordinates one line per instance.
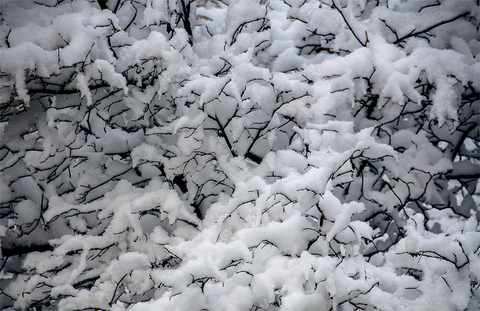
(126, 263)
(285, 236)
(231, 169)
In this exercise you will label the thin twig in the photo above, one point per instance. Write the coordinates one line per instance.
(348, 25)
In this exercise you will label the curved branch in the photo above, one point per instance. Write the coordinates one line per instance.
(349, 27)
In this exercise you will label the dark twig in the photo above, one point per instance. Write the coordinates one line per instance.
(414, 34)
(348, 25)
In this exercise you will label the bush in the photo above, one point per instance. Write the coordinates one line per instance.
(239, 155)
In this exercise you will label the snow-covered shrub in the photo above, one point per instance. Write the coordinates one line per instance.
(239, 155)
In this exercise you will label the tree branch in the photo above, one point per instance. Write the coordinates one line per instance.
(348, 25)
(414, 34)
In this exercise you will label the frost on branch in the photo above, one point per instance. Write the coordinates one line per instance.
(239, 155)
